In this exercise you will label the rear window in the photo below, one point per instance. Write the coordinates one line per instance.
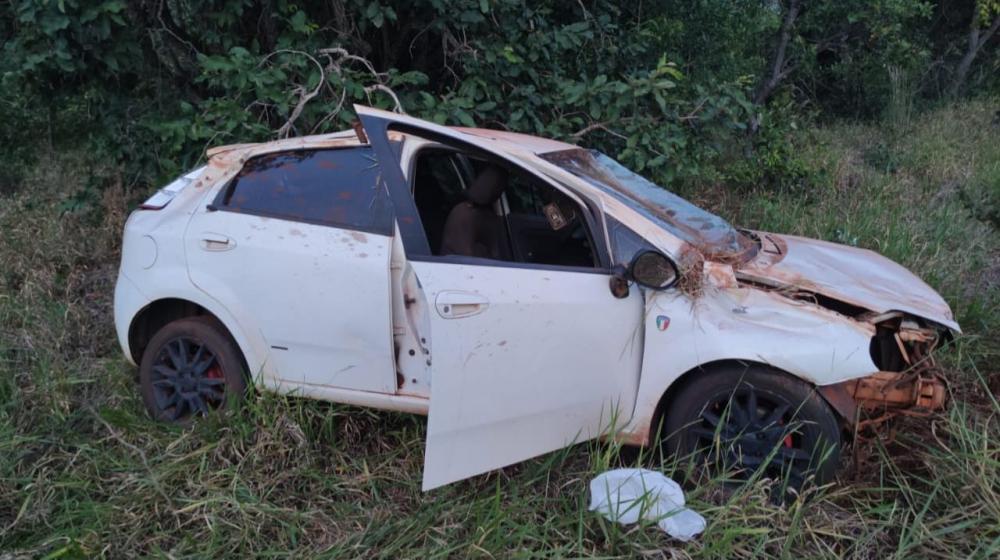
(341, 187)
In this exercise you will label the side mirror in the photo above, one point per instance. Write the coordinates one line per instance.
(653, 270)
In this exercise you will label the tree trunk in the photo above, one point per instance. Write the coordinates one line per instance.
(778, 67)
(777, 70)
(977, 38)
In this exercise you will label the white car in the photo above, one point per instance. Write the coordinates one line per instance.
(534, 292)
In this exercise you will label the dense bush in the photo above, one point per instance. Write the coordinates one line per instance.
(702, 90)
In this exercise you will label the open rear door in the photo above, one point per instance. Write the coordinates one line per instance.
(525, 359)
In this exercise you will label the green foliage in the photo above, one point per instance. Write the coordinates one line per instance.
(988, 9)
(70, 42)
(568, 72)
(843, 50)
(529, 75)
(664, 85)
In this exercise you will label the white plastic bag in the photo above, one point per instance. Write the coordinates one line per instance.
(625, 495)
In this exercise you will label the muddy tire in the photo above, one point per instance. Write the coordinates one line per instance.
(744, 419)
(191, 368)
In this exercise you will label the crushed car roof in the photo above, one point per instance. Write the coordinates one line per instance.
(343, 138)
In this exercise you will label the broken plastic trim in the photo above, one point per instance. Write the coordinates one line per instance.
(909, 381)
(162, 197)
(885, 395)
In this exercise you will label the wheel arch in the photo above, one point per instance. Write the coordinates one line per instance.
(158, 313)
(692, 374)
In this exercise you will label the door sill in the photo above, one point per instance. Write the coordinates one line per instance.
(383, 401)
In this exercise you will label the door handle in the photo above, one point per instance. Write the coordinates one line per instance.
(456, 304)
(216, 242)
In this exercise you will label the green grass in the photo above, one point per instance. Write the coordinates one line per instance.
(84, 473)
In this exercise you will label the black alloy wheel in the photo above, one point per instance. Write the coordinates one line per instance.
(187, 378)
(755, 420)
(190, 369)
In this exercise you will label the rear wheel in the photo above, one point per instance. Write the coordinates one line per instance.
(744, 420)
(190, 368)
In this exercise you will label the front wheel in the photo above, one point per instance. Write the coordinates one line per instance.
(190, 368)
(746, 419)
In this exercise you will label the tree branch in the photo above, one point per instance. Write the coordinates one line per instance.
(779, 63)
(989, 32)
(385, 89)
(337, 61)
(304, 96)
(976, 39)
(335, 65)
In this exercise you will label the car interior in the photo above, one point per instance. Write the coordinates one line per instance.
(474, 207)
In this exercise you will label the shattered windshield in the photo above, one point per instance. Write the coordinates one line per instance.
(710, 234)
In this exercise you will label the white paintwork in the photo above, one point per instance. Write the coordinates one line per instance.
(517, 361)
(550, 358)
(318, 294)
(526, 360)
(137, 287)
(857, 276)
(745, 324)
(127, 304)
(401, 403)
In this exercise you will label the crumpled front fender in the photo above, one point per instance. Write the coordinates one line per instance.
(743, 324)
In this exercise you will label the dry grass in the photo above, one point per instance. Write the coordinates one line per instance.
(84, 473)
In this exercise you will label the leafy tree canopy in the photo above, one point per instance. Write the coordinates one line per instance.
(703, 88)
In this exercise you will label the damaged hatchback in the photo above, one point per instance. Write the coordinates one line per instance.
(524, 293)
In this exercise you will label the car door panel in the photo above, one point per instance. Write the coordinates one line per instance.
(525, 361)
(318, 293)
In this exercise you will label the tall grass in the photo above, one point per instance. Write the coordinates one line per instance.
(83, 472)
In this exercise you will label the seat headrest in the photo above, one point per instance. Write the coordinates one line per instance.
(488, 186)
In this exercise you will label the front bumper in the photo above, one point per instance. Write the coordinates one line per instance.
(915, 387)
(888, 391)
(886, 394)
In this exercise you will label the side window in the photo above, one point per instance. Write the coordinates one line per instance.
(440, 168)
(475, 205)
(523, 197)
(339, 187)
(437, 185)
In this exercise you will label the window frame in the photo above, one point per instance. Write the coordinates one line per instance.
(594, 226)
(411, 166)
(383, 225)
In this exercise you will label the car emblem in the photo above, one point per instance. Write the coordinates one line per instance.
(662, 322)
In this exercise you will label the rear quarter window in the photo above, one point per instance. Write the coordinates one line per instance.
(340, 187)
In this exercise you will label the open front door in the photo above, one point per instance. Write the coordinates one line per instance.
(526, 359)
(525, 362)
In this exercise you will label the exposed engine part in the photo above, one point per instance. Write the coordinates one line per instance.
(909, 381)
(900, 343)
(888, 391)
(886, 394)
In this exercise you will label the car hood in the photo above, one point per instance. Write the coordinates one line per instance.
(856, 276)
